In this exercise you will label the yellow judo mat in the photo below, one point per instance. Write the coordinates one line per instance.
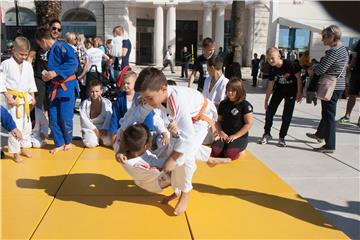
(85, 194)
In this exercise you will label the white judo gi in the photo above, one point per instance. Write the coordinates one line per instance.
(101, 122)
(144, 169)
(41, 128)
(19, 78)
(183, 105)
(218, 92)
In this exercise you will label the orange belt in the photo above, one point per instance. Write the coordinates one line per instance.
(60, 83)
(202, 116)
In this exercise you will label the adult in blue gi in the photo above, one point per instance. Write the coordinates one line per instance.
(63, 86)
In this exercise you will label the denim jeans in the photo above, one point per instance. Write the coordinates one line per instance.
(327, 126)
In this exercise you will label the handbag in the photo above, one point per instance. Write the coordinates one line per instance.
(327, 85)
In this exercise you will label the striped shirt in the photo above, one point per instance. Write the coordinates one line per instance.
(334, 63)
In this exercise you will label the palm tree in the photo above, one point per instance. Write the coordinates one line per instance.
(47, 10)
(237, 38)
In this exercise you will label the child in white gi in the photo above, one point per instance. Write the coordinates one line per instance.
(192, 113)
(145, 167)
(215, 84)
(95, 116)
(18, 86)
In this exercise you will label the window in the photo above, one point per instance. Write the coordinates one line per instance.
(79, 21)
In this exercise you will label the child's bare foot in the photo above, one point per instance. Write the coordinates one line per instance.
(182, 203)
(67, 147)
(213, 161)
(167, 199)
(25, 152)
(56, 149)
(17, 158)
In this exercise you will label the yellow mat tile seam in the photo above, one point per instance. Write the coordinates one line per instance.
(31, 237)
(189, 226)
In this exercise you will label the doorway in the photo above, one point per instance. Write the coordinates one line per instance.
(186, 36)
(144, 41)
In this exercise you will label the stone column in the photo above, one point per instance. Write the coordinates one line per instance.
(171, 29)
(207, 20)
(219, 27)
(158, 35)
(115, 14)
(272, 40)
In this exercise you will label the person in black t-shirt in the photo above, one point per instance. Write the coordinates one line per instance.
(234, 121)
(185, 59)
(200, 64)
(284, 83)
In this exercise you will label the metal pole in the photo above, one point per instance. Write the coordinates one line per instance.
(18, 28)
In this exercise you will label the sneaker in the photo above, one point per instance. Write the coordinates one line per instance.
(324, 150)
(344, 119)
(313, 136)
(265, 139)
(282, 142)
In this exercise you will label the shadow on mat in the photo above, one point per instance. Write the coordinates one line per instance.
(95, 190)
(295, 208)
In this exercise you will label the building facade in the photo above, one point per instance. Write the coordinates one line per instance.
(152, 25)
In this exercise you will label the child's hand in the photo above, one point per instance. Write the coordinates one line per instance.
(169, 165)
(223, 136)
(173, 129)
(231, 138)
(10, 100)
(165, 138)
(121, 158)
(16, 134)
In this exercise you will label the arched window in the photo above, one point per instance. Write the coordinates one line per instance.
(27, 24)
(80, 21)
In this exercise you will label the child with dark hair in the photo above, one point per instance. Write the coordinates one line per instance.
(215, 84)
(95, 116)
(145, 167)
(234, 122)
(193, 119)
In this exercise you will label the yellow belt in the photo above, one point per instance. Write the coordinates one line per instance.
(19, 96)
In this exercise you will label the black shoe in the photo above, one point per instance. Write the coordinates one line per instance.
(324, 150)
(282, 142)
(265, 139)
(313, 136)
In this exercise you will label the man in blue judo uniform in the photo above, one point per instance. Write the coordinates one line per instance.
(63, 86)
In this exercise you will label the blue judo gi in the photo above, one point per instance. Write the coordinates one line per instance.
(7, 121)
(62, 60)
(119, 110)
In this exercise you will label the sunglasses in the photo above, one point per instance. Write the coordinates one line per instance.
(55, 28)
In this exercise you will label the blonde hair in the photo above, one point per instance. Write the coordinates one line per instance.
(272, 50)
(70, 36)
(21, 43)
(332, 30)
(129, 74)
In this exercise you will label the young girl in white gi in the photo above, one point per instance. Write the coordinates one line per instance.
(18, 86)
(95, 116)
(192, 113)
(215, 84)
(145, 167)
